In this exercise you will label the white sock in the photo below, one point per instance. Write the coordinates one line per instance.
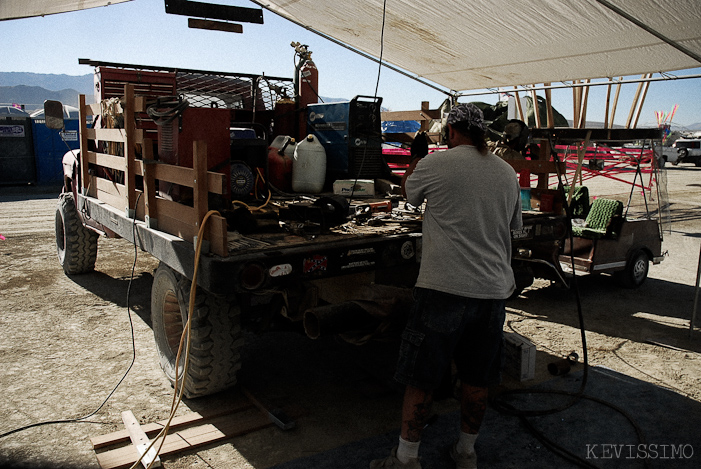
(407, 450)
(466, 443)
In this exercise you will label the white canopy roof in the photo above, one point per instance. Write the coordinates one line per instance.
(14, 9)
(489, 43)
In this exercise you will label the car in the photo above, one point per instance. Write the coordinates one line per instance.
(688, 150)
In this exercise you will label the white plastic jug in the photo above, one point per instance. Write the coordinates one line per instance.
(309, 166)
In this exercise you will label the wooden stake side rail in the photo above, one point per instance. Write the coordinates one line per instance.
(158, 213)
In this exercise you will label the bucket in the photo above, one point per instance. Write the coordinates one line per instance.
(309, 166)
(546, 202)
(525, 199)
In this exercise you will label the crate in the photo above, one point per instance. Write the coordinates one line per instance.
(519, 356)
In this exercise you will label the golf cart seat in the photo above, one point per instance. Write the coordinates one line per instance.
(601, 221)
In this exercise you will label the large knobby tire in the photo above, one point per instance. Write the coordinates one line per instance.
(636, 270)
(76, 245)
(215, 334)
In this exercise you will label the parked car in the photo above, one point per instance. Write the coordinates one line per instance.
(688, 151)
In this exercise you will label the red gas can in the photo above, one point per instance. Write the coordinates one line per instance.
(280, 162)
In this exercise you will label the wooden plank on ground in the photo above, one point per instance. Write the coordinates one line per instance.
(151, 429)
(149, 457)
(216, 430)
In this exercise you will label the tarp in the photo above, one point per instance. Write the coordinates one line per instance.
(490, 43)
(14, 9)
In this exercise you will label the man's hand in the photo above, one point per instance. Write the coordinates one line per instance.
(419, 147)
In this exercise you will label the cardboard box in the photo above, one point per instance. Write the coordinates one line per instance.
(519, 356)
(363, 187)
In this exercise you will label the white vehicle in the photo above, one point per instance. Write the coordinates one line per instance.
(688, 151)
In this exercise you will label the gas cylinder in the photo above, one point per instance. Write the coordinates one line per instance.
(280, 154)
(308, 91)
(309, 166)
(284, 117)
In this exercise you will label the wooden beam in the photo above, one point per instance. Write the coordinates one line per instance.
(194, 23)
(615, 102)
(549, 107)
(634, 104)
(639, 109)
(608, 102)
(536, 112)
(83, 143)
(129, 150)
(199, 164)
(140, 441)
(147, 167)
(418, 115)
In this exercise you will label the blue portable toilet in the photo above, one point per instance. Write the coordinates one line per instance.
(16, 147)
(50, 145)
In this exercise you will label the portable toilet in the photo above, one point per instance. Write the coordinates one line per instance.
(50, 145)
(16, 147)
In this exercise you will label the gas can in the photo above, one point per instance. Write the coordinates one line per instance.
(309, 166)
(280, 154)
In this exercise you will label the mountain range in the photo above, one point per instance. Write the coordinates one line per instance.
(31, 89)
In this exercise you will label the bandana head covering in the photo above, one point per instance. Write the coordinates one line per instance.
(468, 113)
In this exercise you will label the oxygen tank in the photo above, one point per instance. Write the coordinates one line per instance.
(309, 166)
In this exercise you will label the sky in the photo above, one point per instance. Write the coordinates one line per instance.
(140, 32)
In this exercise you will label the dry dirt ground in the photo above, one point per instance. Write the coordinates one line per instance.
(66, 342)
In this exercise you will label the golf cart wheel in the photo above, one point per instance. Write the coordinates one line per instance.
(683, 153)
(76, 245)
(215, 334)
(635, 271)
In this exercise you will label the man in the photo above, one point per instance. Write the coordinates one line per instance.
(472, 203)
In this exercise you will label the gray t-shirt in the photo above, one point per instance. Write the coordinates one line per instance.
(473, 201)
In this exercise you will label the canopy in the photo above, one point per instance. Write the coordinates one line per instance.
(14, 9)
(490, 43)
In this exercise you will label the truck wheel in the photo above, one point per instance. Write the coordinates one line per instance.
(215, 334)
(635, 271)
(76, 245)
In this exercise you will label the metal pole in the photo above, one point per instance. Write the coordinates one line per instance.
(696, 297)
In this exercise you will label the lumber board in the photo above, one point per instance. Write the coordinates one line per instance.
(106, 160)
(417, 115)
(537, 166)
(182, 176)
(179, 220)
(190, 438)
(148, 456)
(151, 429)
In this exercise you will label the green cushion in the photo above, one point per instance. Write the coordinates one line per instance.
(598, 221)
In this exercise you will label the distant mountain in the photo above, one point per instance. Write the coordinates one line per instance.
(81, 83)
(33, 97)
(32, 89)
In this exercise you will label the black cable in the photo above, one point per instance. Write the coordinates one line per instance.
(133, 357)
(377, 85)
(499, 402)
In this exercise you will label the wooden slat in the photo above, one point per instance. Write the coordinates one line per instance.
(114, 135)
(220, 429)
(83, 142)
(199, 162)
(182, 176)
(537, 166)
(408, 137)
(179, 220)
(140, 441)
(418, 115)
(108, 161)
(129, 147)
(151, 429)
(147, 170)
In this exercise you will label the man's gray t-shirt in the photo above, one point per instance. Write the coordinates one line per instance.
(472, 203)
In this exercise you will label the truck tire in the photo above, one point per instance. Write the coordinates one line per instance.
(635, 271)
(76, 245)
(215, 334)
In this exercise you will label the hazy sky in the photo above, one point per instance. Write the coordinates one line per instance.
(140, 32)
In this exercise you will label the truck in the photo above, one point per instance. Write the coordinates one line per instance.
(189, 183)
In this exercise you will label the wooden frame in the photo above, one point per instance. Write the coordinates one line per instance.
(139, 200)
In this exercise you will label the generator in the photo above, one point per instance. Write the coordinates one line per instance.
(178, 127)
(233, 151)
(351, 134)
